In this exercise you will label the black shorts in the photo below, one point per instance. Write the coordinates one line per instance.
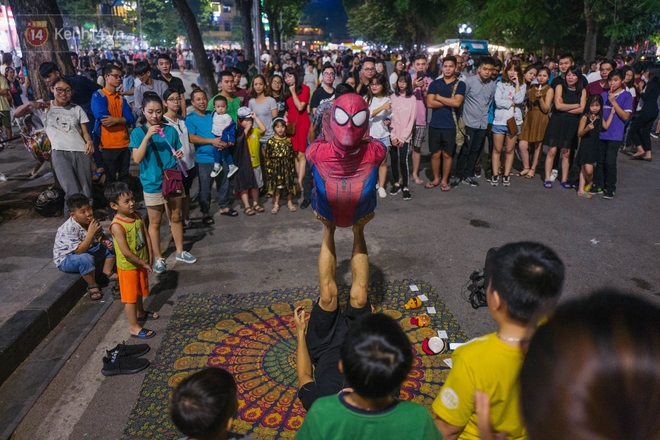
(326, 330)
(442, 139)
(188, 181)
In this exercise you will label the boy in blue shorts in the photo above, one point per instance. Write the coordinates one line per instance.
(524, 283)
(81, 246)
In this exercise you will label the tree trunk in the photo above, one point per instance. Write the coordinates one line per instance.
(206, 71)
(610, 48)
(55, 47)
(591, 37)
(245, 10)
(262, 34)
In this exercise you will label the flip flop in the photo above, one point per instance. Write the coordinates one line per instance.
(547, 184)
(585, 195)
(150, 315)
(418, 181)
(444, 187)
(144, 334)
(524, 172)
(431, 185)
(208, 220)
(230, 213)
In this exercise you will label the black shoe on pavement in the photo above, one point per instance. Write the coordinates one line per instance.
(608, 195)
(117, 364)
(134, 350)
(406, 194)
(454, 181)
(595, 190)
(395, 189)
(470, 181)
(304, 204)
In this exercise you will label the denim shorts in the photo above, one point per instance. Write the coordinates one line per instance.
(385, 140)
(87, 262)
(503, 129)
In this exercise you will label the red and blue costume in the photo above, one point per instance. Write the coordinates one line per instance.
(345, 163)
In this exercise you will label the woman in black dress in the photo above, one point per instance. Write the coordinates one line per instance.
(570, 100)
(640, 129)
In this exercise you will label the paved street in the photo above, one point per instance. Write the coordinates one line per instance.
(437, 237)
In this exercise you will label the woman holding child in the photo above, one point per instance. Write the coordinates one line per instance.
(148, 142)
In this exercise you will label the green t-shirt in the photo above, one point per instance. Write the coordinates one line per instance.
(330, 418)
(232, 106)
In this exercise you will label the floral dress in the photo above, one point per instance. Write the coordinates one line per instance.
(280, 165)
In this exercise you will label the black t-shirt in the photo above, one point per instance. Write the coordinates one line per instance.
(560, 80)
(83, 89)
(320, 96)
(173, 83)
(346, 61)
(243, 66)
(328, 380)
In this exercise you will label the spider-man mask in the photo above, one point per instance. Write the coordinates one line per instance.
(349, 122)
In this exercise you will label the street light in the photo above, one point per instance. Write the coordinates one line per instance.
(464, 29)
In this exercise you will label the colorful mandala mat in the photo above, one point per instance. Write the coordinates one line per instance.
(253, 337)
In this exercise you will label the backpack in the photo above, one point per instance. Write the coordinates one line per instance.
(50, 203)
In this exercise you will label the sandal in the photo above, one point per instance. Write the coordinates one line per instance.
(275, 209)
(144, 333)
(257, 207)
(187, 224)
(149, 314)
(530, 175)
(96, 176)
(291, 207)
(431, 185)
(547, 184)
(249, 211)
(524, 172)
(208, 220)
(94, 292)
(230, 213)
(566, 185)
(585, 195)
(418, 181)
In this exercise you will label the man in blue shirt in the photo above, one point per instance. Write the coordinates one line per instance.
(200, 126)
(444, 96)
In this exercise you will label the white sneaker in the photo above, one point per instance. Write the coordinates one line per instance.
(232, 170)
(553, 175)
(217, 169)
(3, 178)
(381, 192)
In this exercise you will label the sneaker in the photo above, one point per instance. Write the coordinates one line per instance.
(160, 266)
(495, 180)
(506, 180)
(454, 181)
(477, 175)
(381, 192)
(593, 190)
(232, 170)
(489, 178)
(217, 169)
(553, 175)
(3, 178)
(134, 350)
(406, 194)
(608, 195)
(654, 135)
(470, 181)
(117, 364)
(395, 190)
(186, 257)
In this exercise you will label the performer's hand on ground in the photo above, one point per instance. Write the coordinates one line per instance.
(364, 220)
(299, 318)
(327, 223)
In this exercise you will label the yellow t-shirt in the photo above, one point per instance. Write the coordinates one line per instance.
(254, 147)
(486, 364)
(135, 238)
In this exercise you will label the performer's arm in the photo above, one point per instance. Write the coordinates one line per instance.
(303, 361)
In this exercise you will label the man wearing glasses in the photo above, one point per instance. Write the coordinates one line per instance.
(113, 116)
(367, 71)
(147, 84)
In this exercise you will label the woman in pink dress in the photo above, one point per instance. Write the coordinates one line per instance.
(297, 99)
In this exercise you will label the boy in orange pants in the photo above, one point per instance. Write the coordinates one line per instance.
(133, 249)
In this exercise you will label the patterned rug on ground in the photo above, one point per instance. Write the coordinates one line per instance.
(253, 337)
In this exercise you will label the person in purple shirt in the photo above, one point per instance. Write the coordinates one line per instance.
(620, 101)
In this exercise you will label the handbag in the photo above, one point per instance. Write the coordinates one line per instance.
(172, 177)
(291, 128)
(512, 126)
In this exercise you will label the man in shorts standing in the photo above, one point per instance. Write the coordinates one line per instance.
(319, 342)
(421, 83)
(444, 96)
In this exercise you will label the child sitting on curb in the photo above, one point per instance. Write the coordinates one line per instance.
(81, 246)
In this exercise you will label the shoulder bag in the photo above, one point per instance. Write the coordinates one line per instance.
(172, 178)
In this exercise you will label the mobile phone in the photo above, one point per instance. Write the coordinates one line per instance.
(421, 75)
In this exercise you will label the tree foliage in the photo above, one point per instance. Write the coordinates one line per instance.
(283, 17)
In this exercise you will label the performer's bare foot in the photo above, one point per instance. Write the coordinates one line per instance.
(327, 223)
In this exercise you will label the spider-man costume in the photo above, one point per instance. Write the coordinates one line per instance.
(344, 164)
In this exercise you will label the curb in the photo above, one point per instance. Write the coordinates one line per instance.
(24, 331)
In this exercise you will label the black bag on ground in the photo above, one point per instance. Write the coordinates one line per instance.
(50, 203)
(477, 287)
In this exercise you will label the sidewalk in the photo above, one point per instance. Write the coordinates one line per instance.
(35, 295)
